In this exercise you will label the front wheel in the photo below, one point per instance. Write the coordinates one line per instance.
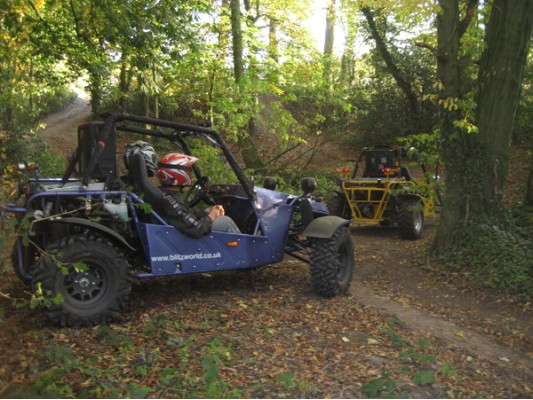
(410, 219)
(84, 281)
(332, 263)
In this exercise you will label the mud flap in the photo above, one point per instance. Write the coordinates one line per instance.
(324, 227)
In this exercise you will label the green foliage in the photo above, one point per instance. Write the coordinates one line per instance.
(523, 129)
(496, 257)
(383, 388)
(30, 148)
(127, 376)
(51, 164)
(212, 163)
(424, 378)
(414, 356)
(115, 338)
(64, 356)
(447, 370)
(289, 178)
(286, 379)
(41, 299)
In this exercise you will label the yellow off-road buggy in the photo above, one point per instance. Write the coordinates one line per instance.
(385, 193)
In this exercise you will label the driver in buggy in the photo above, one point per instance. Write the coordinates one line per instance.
(174, 173)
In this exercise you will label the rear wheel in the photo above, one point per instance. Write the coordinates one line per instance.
(84, 281)
(410, 218)
(332, 263)
(338, 206)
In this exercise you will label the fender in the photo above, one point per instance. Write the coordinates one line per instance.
(409, 196)
(93, 225)
(324, 227)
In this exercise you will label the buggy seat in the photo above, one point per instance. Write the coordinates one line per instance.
(141, 183)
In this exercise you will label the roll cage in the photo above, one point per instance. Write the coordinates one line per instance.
(175, 132)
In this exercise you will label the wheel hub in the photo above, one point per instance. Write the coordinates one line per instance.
(84, 286)
(84, 282)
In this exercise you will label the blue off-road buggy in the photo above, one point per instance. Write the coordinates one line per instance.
(81, 240)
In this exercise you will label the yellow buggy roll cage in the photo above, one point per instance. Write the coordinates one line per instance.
(369, 198)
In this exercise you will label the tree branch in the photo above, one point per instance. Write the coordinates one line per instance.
(389, 61)
(429, 47)
(470, 12)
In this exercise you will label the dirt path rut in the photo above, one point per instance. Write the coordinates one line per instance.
(61, 127)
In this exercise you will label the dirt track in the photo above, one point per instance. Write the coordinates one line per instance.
(61, 127)
(398, 283)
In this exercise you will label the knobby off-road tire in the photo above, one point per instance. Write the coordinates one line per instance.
(410, 219)
(338, 205)
(332, 263)
(92, 295)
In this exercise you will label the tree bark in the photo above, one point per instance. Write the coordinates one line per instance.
(329, 38)
(476, 164)
(236, 30)
(448, 74)
(95, 90)
(273, 45)
(248, 151)
(528, 199)
(348, 57)
(499, 81)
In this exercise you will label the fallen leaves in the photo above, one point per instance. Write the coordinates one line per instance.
(255, 334)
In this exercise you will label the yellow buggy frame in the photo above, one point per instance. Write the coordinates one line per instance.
(385, 194)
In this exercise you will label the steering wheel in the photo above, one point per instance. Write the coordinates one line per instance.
(199, 191)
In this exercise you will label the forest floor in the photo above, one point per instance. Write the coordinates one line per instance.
(404, 330)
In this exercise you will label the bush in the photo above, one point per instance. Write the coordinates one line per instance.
(32, 150)
(495, 258)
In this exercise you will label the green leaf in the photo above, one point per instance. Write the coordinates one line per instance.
(383, 387)
(287, 379)
(138, 391)
(79, 266)
(424, 378)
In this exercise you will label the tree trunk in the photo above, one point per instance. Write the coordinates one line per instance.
(329, 38)
(348, 57)
(95, 90)
(528, 200)
(475, 166)
(236, 31)
(156, 94)
(273, 45)
(500, 76)
(448, 74)
(124, 83)
(248, 151)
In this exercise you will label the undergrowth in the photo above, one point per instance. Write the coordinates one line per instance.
(495, 257)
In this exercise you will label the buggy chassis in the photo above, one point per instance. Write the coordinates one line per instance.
(385, 193)
(80, 240)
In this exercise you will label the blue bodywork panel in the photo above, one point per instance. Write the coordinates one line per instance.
(169, 252)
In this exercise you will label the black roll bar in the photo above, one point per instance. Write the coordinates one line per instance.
(179, 131)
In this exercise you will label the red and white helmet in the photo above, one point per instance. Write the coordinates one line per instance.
(174, 169)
